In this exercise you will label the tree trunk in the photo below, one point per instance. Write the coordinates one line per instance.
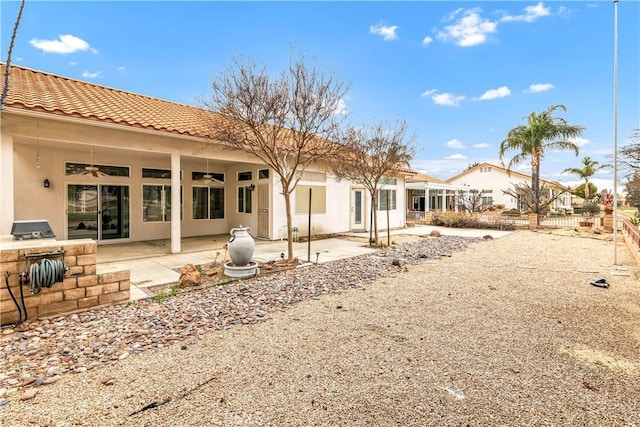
(535, 184)
(287, 203)
(374, 207)
(586, 190)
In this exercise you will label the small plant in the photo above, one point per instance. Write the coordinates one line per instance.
(162, 295)
(635, 219)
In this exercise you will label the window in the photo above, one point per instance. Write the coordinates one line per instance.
(388, 181)
(263, 174)
(156, 173)
(487, 200)
(318, 199)
(313, 176)
(244, 199)
(214, 176)
(386, 200)
(245, 176)
(486, 169)
(156, 203)
(208, 202)
(82, 169)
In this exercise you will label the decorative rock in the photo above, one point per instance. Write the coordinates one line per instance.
(189, 276)
(7, 331)
(29, 394)
(51, 380)
(54, 370)
(3, 391)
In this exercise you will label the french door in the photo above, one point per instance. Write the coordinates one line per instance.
(98, 212)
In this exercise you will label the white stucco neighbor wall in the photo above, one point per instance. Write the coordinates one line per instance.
(495, 180)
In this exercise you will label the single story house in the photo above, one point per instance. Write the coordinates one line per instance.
(491, 180)
(116, 166)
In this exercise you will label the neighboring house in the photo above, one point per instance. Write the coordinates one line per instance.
(425, 194)
(113, 166)
(491, 180)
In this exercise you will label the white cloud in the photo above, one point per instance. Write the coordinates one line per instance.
(64, 44)
(539, 87)
(481, 145)
(447, 99)
(121, 69)
(428, 92)
(454, 143)
(531, 13)
(501, 92)
(387, 32)
(580, 142)
(592, 5)
(469, 29)
(72, 63)
(341, 107)
(427, 40)
(88, 75)
(456, 157)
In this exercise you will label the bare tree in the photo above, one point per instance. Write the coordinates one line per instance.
(631, 153)
(7, 69)
(534, 200)
(374, 152)
(473, 201)
(289, 121)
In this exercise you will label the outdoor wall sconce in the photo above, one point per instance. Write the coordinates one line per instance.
(252, 187)
(47, 184)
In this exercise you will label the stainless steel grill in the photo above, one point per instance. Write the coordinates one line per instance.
(32, 229)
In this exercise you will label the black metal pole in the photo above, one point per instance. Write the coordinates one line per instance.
(309, 231)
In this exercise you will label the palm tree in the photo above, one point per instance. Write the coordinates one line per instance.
(543, 131)
(588, 169)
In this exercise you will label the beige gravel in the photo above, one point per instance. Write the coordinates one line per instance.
(507, 332)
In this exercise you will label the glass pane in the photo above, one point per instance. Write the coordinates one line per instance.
(245, 176)
(80, 168)
(200, 202)
(114, 209)
(152, 203)
(82, 212)
(247, 200)
(358, 207)
(156, 173)
(263, 174)
(240, 199)
(217, 203)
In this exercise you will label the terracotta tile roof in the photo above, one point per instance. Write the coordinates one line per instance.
(45, 92)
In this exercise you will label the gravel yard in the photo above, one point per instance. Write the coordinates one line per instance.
(463, 332)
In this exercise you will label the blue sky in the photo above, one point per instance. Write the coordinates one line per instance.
(460, 73)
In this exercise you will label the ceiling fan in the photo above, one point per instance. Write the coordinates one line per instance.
(208, 177)
(92, 170)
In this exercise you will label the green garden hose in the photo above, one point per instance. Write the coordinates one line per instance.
(45, 273)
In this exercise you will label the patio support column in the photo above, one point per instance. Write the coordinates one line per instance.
(175, 203)
(6, 183)
(455, 199)
(426, 198)
(444, 200)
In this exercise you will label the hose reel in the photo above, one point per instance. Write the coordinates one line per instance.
(45, 273)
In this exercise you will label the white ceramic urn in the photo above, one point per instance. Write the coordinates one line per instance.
(241, 246)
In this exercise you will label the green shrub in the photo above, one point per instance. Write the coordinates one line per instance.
(591, 208)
